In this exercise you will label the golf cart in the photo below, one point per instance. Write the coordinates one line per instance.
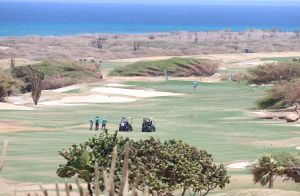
(125, 124)
(148, 125)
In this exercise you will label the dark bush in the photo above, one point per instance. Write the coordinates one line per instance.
(54, 83)
(72, 68)
(2, 93)
(273, 73)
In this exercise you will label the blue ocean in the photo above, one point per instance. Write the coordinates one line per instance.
(19, 19)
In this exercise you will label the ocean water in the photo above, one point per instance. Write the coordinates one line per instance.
(18, 19)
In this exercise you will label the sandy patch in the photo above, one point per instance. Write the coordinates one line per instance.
(271, 115)
(298, 148)
(254, 63)
(96, 99)
(4, 48)
(66, 89)
(133, 92)
(83, 100)
(240, 165)
(9, 126)
(56, 103)
(260, 192)
(250, 58)
(7, 106)
(19, 100)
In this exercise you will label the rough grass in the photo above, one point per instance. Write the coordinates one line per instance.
(181, 67)
(273, 73)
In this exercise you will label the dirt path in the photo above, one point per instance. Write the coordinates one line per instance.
(226, 58)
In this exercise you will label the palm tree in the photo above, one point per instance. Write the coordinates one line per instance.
(265, 170)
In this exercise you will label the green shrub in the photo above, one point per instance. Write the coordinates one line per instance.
(286, 158)
(282, 95)
(164, 166)
(8, 85)
(273, 73)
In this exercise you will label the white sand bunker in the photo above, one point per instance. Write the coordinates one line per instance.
(66, 89)
(82, 100)
(7, 106)
(117, 85)
(96, 99)
(298, 148)
(57, 103)
(240, 165)
(133, 92)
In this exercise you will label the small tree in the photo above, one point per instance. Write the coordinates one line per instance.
(265, 170)
(136, 45)
(32, 79)
(99, 42)
(297, 33)
(36, 85)
(291, 164)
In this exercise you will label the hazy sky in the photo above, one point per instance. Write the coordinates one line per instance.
(214, 2)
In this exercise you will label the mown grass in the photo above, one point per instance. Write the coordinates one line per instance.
(174, 66)
(280, 59)
(214, 117)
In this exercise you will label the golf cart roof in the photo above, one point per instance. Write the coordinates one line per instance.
(148, 119)
(125, 117)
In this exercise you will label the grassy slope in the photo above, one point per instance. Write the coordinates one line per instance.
(174, 66)
(67, 69)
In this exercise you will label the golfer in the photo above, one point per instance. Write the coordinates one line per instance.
(91, 123)
(195, 84)
(104, 122)
(97, 123)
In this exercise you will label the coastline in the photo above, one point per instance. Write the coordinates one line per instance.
(69, 29)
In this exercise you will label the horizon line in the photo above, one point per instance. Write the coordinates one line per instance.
(285, 4)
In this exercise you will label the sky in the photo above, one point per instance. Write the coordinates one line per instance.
(205, 2)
